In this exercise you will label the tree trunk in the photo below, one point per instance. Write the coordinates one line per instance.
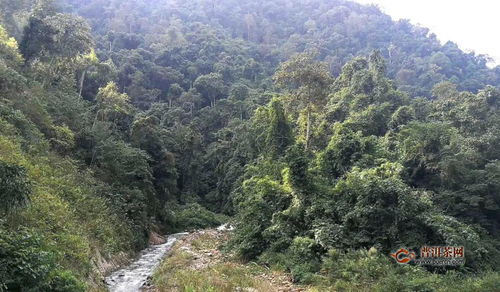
(48, 76)
(82, 79)
(93, 148)
(95, 120)
(308, 128)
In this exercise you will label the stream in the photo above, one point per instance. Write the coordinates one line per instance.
(133, 277)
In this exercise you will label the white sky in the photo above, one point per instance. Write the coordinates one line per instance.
(473, 25)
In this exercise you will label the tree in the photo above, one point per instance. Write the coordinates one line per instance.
(344, 149)
(111, 109)
(261, 198)
(402, 116)
(126, 169)
(308, 81)
(190, 99)
(376, 208)
(86, 62)
(146, 134)
(211, 86)
(9, 49)
(163, 78)
(421, 147)
(174, 92)
(444, 89)
(239, 91)
(279, 135)
(58, 35)
(111, 103)
(10, 62)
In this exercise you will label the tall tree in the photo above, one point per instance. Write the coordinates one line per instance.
(308, 82)
(211, 86)
(279, 135)
(58, 35)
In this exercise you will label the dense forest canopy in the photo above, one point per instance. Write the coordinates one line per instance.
(332, 134)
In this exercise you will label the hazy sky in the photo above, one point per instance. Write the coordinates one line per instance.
(473, 25)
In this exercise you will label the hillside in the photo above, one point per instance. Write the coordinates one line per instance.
(330, 133)
(337, 30)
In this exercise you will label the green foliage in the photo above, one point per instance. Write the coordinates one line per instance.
(395, 173)
(279, 135)
(258, 201)
(401, 117)
(194, 216)
(14, 134)
(146, 134)
(26, 266)
(376, 208)
(22, 249)
(15, 189)
(421, 147)
(171, 115)
(211, 87)
(57, 35)
(10, 60)
(369, 270)
(64, 281)
(304, 258)
(9, 49)
(110, 101)
(70, 220)
(64, 139)
(356, 267)
(127, 171)
(344, 149)
(308, 82)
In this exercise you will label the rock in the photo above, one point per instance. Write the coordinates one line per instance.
(156, 239)
(225, 227)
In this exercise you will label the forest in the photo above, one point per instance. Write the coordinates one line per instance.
(330, 135)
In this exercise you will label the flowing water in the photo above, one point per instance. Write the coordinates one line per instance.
(134, 276)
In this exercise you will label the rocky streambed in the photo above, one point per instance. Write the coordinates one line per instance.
(134, 276)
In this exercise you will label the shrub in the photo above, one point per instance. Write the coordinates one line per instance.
(194, 216)
(64, 281)
(26, 266)
(304, 259)
(14, 187)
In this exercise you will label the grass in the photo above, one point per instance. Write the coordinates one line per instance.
(176, 274)
(205, 241)
(186, 269)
